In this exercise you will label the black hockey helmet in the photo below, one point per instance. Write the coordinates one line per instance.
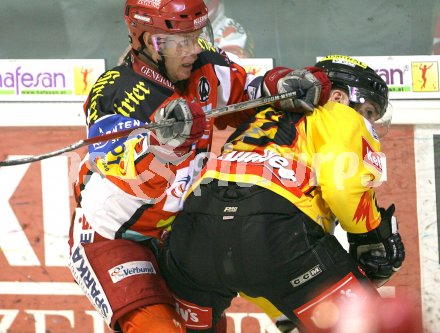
(357, 79)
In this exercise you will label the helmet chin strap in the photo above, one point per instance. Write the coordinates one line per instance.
(161, 66)
(159, 63)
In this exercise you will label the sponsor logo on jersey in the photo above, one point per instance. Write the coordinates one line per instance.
(278, 165)
(194, 316)
(85, 233)
(111, 125)
(89, 283)
(134, 97)
(371, 157)
(150, 73)
(204, 89)
(108, 78)
(180, 187)
(131, 268)
(307, 276)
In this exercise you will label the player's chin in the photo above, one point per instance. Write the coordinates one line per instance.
(184, 72)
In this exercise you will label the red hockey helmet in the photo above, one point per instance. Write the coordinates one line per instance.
(163, 17)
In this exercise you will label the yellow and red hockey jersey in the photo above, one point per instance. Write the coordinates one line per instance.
(326, 163)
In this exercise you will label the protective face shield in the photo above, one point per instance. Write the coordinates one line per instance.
(382, 125)
(358, 95)
(373, 107)
(183, 44)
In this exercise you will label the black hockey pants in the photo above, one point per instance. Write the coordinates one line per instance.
(234, 238)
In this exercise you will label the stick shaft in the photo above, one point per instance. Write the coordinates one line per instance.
(125, 133)
(253, 103)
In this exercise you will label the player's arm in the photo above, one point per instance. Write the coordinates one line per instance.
(380, 252)
(133, 164)
(346, 181)
(103, 117)
(311, 84)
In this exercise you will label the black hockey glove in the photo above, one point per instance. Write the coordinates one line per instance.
(379, 252)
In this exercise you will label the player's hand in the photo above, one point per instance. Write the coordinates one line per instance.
(189, 126)
(380, 252)
(311, 84)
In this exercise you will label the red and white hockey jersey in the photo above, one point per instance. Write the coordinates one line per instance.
(124, 190)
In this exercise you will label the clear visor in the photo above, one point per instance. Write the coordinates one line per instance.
(183, 44)
(372, 107)
(382, 125)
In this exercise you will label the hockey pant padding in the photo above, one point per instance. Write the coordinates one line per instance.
(118, 276)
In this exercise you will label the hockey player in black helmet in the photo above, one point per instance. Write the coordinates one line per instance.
(361, 83)
(260, 219)
(364, 90)
(357, 79)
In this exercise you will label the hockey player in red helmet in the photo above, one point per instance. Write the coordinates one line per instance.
(228, 34)
(170, 32)
(129, 190)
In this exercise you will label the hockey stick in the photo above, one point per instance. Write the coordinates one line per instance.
(125, 133)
